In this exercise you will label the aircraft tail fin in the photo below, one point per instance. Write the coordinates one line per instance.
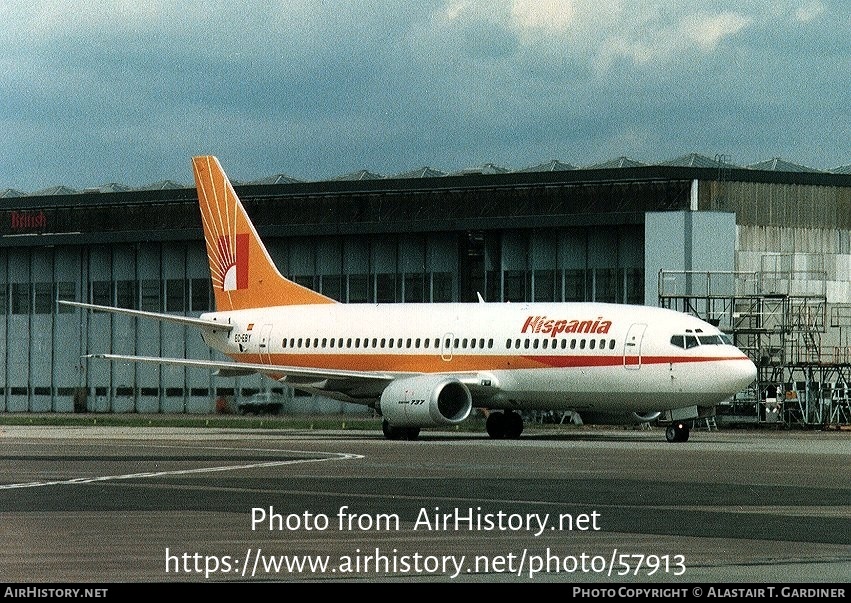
(244, 275)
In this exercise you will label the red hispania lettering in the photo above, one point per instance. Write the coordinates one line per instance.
(542, 324)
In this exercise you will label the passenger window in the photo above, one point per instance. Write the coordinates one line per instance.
(611, 344)
(526, 344)
(581, 344)
(592, 343)
(572, 344)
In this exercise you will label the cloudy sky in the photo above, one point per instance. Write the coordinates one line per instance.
(128, 90)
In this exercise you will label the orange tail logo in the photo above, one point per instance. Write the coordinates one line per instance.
(243, 273)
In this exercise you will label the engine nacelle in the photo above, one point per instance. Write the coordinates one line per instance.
(426, 401)
(629, 418)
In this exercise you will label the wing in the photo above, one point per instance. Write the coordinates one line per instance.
(350, 386)
(359, 387)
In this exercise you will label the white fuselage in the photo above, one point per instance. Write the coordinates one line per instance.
(555, 356)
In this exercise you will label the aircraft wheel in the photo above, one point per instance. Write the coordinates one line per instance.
(514, 425)
(677, 432)
(410, 433)
(496, 425)
(390, 432)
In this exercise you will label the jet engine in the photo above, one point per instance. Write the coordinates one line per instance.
(425, 401)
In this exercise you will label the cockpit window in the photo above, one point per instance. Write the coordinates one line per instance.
(689, 341)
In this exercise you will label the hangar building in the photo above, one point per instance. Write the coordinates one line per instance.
(742, 246)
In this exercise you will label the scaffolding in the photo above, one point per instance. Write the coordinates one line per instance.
(779, 317)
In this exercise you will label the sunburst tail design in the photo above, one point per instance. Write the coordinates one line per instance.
(243, 273)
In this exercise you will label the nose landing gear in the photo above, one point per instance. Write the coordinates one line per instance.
(677, 432)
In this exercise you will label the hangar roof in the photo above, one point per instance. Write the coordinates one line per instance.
(692, 160)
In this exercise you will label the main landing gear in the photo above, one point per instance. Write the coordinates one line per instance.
(677, 432)
(504, 425)
(399, 433)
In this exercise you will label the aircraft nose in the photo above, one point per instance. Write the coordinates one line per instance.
(743, 374)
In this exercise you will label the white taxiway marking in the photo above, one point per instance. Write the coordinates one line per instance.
(331, 456)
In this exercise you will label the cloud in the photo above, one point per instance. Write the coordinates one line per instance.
(316, 88)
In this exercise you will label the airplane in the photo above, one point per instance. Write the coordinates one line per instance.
(422, 365)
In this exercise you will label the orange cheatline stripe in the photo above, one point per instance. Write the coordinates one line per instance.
(425, 363)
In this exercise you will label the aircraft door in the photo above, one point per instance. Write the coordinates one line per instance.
(446, 347)
(632, 346)
(265, 343)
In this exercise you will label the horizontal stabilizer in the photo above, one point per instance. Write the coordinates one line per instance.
(173, 318)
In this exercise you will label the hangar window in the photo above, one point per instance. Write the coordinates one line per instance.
(21, 298)
(175, 295)
(441, 287)
(67, 291)
(102, 293)
(43, 298)
(125, 294)
(200, 294)
(151, 295)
